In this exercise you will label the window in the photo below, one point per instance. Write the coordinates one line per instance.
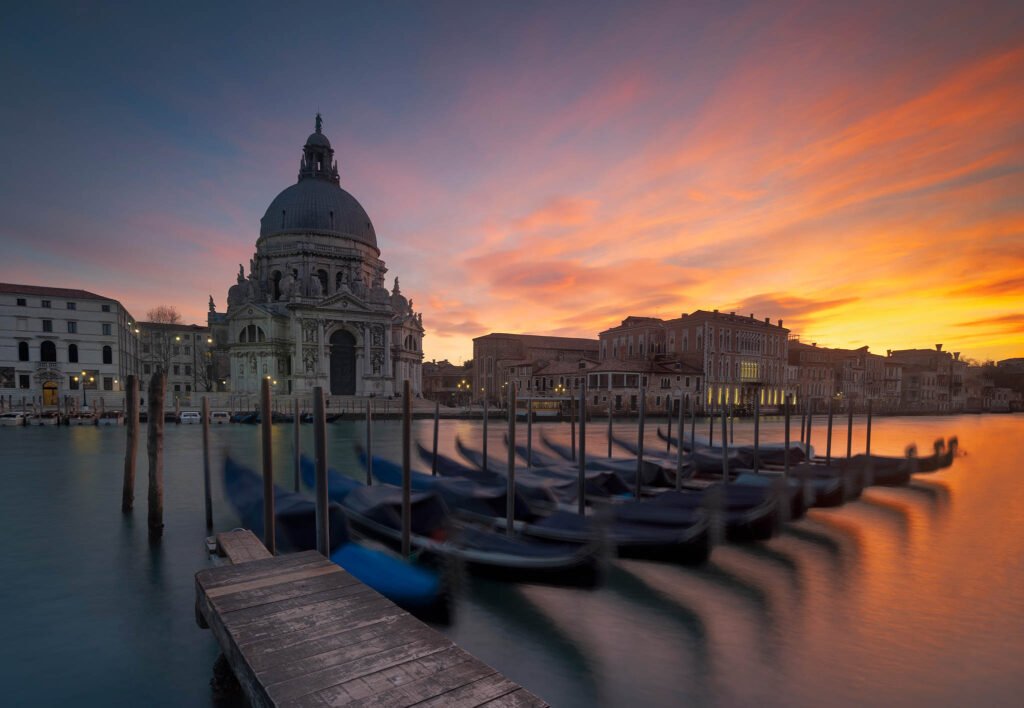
(108, 383)
(188, 369)
(147, 369)
(106, 328)
(177, 388)
(44, 303)
(47, 325)
(105, 308)
(186, 350)
(21, 302)
(24, 381)
(48, 351)
(188, 388)
(71, 305)
(72, 327)
(177, 370)
(175, 350)
(108, 355)
(22, 351)
(73, 353)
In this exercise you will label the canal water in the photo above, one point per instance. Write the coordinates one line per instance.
(910, 596)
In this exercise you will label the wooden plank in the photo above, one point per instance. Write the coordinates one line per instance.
(273, 593)
(473, 694)
(227, 574)
(342, 614)
(325, 630)
(240, 546)
(520, 698)
(426, 687)
(271, 580)
(274, 610)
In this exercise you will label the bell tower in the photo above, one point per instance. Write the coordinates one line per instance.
(318, 157)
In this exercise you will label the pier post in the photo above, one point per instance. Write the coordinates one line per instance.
(679, 446)
(131, 442)
(785, 453)
(296, 440)
(869, 471)
(529, 433)
(369, 443)
(640, 441)
(810, 419)
(711, 425)
(757, 432)
(828, 443)
(177, 410)
(572, 429)
(693, 424)
(732, 422)
(323, 528)
(406, 468)
(437, 420)
(609, 427)
(849, 427)
(725, 452)
(485, 434)
(156, 454)
(207, 500)
(510, 496)
(581, 482)
(268, 468)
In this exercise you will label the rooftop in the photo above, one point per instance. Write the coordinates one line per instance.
(43, 290)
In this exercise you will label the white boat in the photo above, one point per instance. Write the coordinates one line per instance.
(190, 418)
(12, 419)
(111, 418)
(219, 417)
(81, 419)
(51, 418)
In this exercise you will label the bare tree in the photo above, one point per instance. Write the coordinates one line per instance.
(165, 314)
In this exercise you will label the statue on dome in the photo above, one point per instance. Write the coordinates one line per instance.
(213, 308)
(319, 122)
(241, 274)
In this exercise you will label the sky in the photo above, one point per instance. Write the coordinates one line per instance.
(855, 169)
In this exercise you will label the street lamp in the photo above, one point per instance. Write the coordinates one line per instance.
(463, 386)
(82, 379)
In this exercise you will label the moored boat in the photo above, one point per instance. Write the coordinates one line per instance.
(109, 418)
(46, 418)
(13, 419)
(82, 419)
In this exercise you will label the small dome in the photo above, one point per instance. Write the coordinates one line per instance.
(320, 207)
(318, 139)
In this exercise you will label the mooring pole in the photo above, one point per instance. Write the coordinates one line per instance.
(785, 454)
(156, 454)
(725, 451)
(207, 499)
(406, 467)
(437, 420)
(582, 459)
(510, 496)
(485, 434)
(529, 433)
(679, 448)
(609, 427)
(572, 429)
(369, 443)
(323, 529)
(757, 432)
(849, 427)
(693, 423)
(268, 468)
(131, 409)
(732, 422)
(668, 425)
(640, 441)
(810, 419)
(869, 466)
(711, 425)
(296, 442)
(828, 443)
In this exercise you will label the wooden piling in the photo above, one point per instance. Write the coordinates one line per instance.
(668, 425)
(869, 466)
(757, 432)
(437, 420)
(693, 423)
(640, 441)
(849, 428)
(406, 468)
(156, 454)
(711, 425)
(323, 529)
(810, 419)
(177, 410)
(732, 422)
(679, 447)
(297, 441)
(581, 480)
(484, 441)
(268, 468)
(785, 453)
(131, 421)
(609, 427)
(369, 443)
(510, 496)
(529, 433)
(828, 442)
(572, 429)
(725, 451)
(207, 499)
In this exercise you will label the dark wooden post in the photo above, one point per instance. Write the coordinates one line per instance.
(156, 455)
(869, 466)
(207, 500)
(485, 416)
(437, 420)
(732, 422)
(297, 441)
(406, 468)
(785, 453)
(640, 441)
(609, 425)
(177, 410)
(679, 446)
(693, 423)
(828, 443)
(711, 425)
(131, 442)
(572, 429)
(510, 496)
(810, 419)
(849, 427)
(581, 482)
(323, 528)
(369, 444)
(757, 431)
(725, 450)
(268, 468)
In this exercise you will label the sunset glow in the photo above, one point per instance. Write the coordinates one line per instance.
(858, 173)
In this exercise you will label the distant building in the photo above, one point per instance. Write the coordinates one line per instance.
(447, 383)
(933, 380)
(185, 353)
(57, 344)
(500, 359)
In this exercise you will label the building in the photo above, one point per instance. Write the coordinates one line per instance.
(313, 309)
(60, 346)
(185, 353)
(447, 383)
(500, 359)
(933, 380)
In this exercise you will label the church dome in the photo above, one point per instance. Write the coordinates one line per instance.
(319, 207)
(317, 204)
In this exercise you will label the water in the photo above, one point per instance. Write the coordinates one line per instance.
(909, 596)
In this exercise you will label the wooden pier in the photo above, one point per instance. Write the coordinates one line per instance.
(297, 630)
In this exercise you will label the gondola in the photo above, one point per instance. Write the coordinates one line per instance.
(652, 473)
(419, 590)
(680, 536)
(376, 512)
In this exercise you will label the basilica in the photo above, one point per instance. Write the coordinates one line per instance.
(313, 310)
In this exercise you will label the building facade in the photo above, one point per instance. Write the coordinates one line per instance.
(60, 346)
(313, 309)
(185, 353)
(500, 359)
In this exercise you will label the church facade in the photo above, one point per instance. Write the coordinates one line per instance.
(313, 310)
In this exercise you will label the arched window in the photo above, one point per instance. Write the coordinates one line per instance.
(275, 280)
(243, 336)
(73, 353)
(22, 351)
(260, 336)
(322, 276)
(108, 355)
(48, 351)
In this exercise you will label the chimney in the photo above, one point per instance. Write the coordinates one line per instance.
(780, 323)
(751, 315)
(767, 320)
(888, 352)
(716, 310)
(814, 344)
(956, 356)
(938, 347)
(732, 314)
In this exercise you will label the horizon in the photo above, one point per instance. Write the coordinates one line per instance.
(856, 172)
